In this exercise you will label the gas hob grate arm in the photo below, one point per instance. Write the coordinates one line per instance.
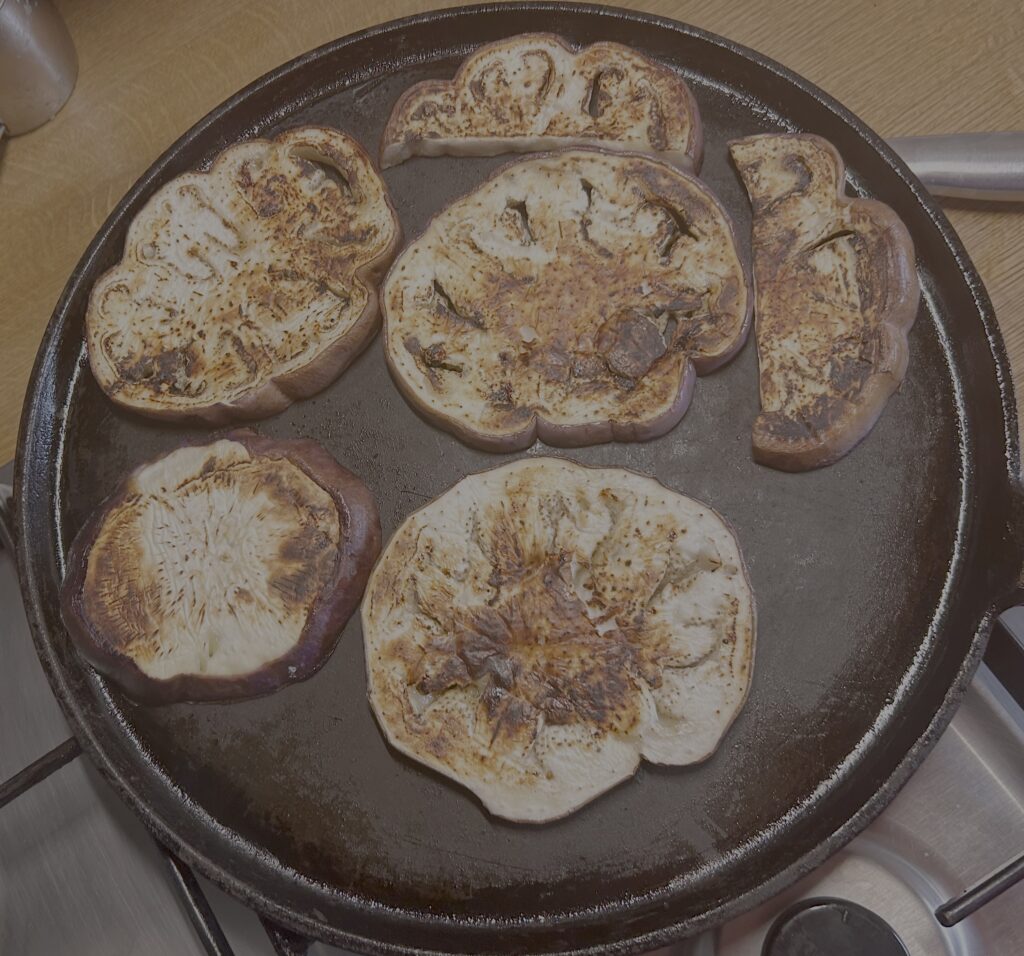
(39, 770)
(202, 917)
(995, 884)
(285, 942)
(6, 522)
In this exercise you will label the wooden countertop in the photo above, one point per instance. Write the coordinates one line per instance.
(149, 70)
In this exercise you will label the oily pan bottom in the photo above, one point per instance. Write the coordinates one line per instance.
(875, 579)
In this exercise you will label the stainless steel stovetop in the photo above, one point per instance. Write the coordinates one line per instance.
(79, 873)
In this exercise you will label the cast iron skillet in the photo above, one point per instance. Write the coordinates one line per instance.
(877, 579)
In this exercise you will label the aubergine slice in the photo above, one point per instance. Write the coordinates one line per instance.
(572, 298)
(534, 92)
(221, 571)
(836, 293)
(248, 286)
(540, 628)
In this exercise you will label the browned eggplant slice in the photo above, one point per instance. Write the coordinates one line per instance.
(571, 298)
(221, 571)
(836, 294)
(542, 627)
(533, 92)
(246, 287)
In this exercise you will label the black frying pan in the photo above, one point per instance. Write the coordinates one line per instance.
(877, 579)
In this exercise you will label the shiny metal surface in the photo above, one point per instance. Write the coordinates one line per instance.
(38, 64)
(987, 166)
(961, 815)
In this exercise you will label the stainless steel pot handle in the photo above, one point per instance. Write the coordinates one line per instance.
(967, 165)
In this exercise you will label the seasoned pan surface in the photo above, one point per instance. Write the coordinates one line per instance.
(876, 579)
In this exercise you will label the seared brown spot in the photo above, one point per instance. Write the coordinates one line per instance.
(797, 165)
(449, 672)
(593, 104)
(121, 598)
(436, 356)
(248, 359)
(502, 395)
(448, 307)
(677, 226)
(165, 371)
(657, 129)
(476, 87)
(549, 74)
(631, 344)
(305, 546)
(535, 650)
(522, 217)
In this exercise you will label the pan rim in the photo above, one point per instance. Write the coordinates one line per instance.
(223, 876)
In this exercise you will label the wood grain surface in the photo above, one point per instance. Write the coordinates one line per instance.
(150, 69)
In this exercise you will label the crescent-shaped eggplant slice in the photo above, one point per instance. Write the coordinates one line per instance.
(221, 571)
(837, 293)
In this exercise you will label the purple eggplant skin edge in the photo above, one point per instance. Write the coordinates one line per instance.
(576, 434)
(360, 547)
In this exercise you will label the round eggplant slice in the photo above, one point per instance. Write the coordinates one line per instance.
(221, 571)
(540, 628)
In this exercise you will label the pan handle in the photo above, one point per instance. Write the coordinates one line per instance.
(986, 166)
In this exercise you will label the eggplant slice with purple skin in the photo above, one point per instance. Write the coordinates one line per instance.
(534, 92)
(541, 628)
(246, 287)
(837, 293)
(572, 298)
(221, 571)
